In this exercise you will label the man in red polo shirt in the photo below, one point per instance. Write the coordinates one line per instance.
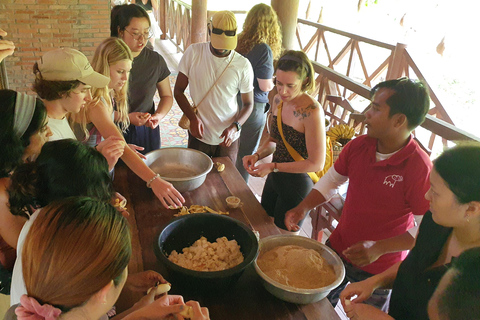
(388, 178)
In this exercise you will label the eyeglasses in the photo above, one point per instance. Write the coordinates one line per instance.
(145, 35)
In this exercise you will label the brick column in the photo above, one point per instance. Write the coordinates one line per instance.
(37, 26)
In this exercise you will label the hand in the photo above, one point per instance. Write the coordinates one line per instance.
(149, 308)
(112, 149)
(361, 311)
(362, 289)
(249, 161)
(228, 134)
(142, 281)
(6, 47)
(261, 170)
(199, 313)
(293, 217)
(362, 253)
(139, 118)
(166, 193)
(119, 202)
(196, 127)
(153, 121)
(136, 148)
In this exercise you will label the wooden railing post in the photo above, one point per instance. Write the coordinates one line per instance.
(287, 11)
(396, 68)
(163, 18)
(198, 30)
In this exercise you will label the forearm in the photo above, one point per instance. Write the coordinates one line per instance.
(266, 149)
(398, 243)
(137, 165)
(302, 166)
(164, 106)
(245, 112)
(312, 200)
(385, 279)
(185, 105)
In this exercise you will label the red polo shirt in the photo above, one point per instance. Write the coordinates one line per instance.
(382, 196)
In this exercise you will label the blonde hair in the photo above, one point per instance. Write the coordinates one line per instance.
(297, 61)
(109, 52)
(74, 248)
(261, 26)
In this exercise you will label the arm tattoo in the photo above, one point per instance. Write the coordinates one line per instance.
(304, 112)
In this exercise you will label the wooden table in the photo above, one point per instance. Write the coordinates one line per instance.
(247, 299)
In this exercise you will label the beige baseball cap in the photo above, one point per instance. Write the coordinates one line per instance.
(225, 21)
(67, 64)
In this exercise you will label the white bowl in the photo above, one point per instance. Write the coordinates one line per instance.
(295, 295)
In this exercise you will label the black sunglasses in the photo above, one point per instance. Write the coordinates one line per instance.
(228, 33)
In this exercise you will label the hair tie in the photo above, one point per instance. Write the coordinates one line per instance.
(24, 109)
(296, 59)
(30, 309)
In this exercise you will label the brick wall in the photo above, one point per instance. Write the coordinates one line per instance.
(37, 26)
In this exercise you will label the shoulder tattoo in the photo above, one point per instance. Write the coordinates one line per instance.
(276, 100)
(303, 113)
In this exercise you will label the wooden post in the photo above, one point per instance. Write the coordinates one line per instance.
(198, 30)
(287, 11)
(397, 65)
(163, 18)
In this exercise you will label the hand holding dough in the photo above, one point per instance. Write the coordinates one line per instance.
(160, 289)
(187, 312)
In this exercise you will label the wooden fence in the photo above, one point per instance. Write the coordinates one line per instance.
(346, 75)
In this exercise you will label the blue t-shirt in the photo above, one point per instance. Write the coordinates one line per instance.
(261, 58)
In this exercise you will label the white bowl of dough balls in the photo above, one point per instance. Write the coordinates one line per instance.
(298, 269)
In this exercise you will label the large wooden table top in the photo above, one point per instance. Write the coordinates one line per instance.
(247, 299)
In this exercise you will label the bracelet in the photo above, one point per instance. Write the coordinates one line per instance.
(149, 183)
(258, 155)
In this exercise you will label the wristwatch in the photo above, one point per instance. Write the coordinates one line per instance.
(275, 169)
(238, 125)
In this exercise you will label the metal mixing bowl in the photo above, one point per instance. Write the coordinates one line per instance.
(295, 295)
(185, 168)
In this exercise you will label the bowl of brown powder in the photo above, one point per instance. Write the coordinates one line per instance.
(298, 269)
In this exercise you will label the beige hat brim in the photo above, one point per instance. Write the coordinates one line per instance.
(222, 42)
(96, 80)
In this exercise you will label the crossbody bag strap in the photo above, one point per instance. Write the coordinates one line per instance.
(217, 79)
(295, 155)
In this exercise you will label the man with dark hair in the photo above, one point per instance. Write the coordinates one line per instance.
(458, 294)
(215, 74)
(388, 178)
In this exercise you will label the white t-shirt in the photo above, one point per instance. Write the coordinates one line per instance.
(18, 284)
(60, 129)
(219, 108)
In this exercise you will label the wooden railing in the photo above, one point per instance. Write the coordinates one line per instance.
(177, 16)
(178, 22)
(337, 71)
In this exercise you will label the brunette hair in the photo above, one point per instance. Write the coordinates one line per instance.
(460, 169)
(14, 145)
(261, 26)
(52, 90)
(110, 51)
(297, 61)
(121, 16)
(459, 301)
(64, 168)
(410, 98)
(73, 249)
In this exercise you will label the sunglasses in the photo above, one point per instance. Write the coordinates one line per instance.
(228, 33)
